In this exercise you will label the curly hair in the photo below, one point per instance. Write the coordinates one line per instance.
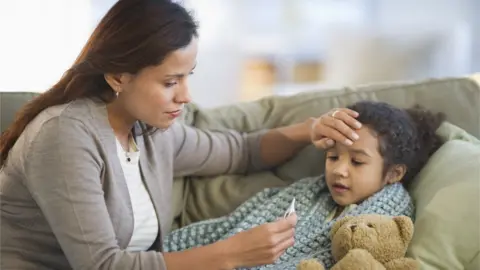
(406, 136)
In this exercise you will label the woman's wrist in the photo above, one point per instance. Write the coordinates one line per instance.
(298, 133)
(307, 128)
(225, 250)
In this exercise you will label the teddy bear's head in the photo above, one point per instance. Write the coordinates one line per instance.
(385, 237)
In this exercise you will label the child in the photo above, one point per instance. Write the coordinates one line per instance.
(367, 177)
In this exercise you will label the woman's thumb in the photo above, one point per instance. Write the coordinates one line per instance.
(292, 219)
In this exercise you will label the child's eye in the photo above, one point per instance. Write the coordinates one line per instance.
(356, 163)
(332, 158)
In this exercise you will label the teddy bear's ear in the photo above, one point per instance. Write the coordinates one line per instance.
(405, 225)
(339, 223)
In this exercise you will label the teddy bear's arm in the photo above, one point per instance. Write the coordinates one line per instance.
(310, 264)
(402, 263)
(358, 259)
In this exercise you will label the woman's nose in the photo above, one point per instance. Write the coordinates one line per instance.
(183, 95)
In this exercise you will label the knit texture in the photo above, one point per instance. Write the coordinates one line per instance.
(313, 204)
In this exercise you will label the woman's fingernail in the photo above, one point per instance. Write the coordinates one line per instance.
(348, 142)
(358, 125)
(355, 136)
(329, 142)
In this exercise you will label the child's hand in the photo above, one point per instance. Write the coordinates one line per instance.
(337, 125)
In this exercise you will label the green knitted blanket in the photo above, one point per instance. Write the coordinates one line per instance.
(313, 204)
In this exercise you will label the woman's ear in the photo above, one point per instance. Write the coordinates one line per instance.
(117, 81)
(396, 173)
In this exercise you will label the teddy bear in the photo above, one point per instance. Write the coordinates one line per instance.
(369, 242)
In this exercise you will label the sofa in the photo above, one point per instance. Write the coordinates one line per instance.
(446, 191)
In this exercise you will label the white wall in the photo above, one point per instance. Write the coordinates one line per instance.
(452, 19)
(40, 39)
(300, 29)
(474, 18)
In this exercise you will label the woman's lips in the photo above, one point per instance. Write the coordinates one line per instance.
(174, 114)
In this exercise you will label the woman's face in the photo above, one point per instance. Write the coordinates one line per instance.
(354, 173)
(156, 95)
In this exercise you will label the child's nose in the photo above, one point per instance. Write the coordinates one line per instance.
(341, 169)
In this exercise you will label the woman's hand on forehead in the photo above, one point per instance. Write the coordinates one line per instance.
(338, 125)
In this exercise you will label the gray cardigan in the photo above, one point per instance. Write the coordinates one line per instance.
(64, 199)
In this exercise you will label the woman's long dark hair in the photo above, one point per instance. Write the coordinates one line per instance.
(134, 34)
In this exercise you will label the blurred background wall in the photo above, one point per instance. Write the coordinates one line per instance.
(253, 48)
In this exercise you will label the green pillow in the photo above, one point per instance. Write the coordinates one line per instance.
(447, 197)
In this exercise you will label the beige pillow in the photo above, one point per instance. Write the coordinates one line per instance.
(447, 198)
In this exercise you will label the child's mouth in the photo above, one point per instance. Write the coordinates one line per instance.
(339, 188)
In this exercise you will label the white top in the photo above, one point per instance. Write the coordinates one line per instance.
(145, 228)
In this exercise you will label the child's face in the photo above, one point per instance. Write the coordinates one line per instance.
(354, 173)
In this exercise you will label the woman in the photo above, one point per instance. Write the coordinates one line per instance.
(87, 166)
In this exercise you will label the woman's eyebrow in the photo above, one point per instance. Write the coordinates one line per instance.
(176, 75)
(181, 75)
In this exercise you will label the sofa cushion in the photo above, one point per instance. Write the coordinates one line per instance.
(10, 103)
(210, 197)
(447, 197)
